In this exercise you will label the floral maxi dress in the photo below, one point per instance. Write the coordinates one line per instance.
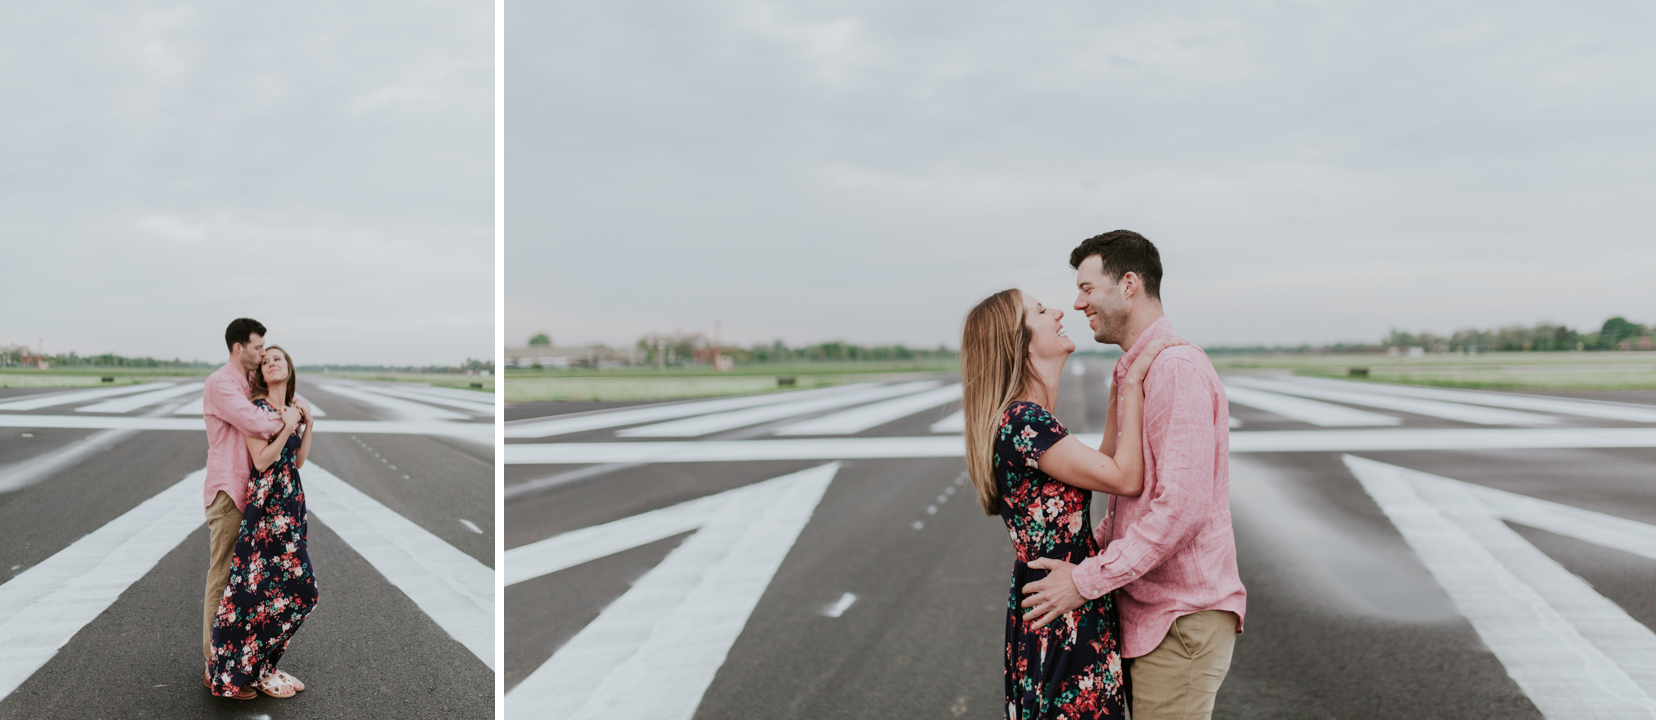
(1071, 668)
(271, 587)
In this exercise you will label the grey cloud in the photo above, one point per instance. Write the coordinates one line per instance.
(864, 170)
(325, 167)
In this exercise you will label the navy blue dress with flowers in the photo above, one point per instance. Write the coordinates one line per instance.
(271, 587)
(1072, 667)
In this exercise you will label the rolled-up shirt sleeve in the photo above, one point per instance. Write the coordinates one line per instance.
(1179, 429)
(227, 402)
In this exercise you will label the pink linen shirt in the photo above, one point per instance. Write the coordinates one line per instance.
(1171, 550)
(231, 417)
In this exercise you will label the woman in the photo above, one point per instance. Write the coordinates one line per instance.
(1027, 467)
(271, 587)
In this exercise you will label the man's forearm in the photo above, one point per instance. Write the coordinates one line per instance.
(234, 408)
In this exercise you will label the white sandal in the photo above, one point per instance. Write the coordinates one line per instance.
(276, 686)
(297, 685)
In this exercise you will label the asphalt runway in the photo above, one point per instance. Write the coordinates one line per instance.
(101, 624)
(1391, 572)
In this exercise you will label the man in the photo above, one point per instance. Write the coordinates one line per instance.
(1171, 550)
(230, 418)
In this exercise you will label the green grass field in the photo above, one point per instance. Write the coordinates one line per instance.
(644, 383)
(1510, 371)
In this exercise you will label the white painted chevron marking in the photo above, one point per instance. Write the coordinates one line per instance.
(1305, 410)
(481, 405)
(954, 423)
(1557, 405)
(35, 402)
(1575, 653)
(584, 422)
(133, 402)
(456, 591)
(477, 432)
(44, 606)
(708, 424)
(193, 407)
(411, 410)
(1474, 414)
(678, 622)
(856, 420)
(953, 446)
(587, 544)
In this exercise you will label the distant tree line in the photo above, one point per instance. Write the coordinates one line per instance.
(1617, 333)
(691, 348)
(22, 354)
(15, 355)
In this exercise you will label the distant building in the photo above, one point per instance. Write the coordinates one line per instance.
(563, 358)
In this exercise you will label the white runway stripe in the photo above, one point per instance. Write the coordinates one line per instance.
(954, 423)
(405, 408)
(1568, 648)
(676, 625)
(456, 591)
(194, 407)
(585, 422)
(44, 606)
(735, 450)
(952, 446)
(1304, 410)
(587, 544)
(473, 406)
(1560, 406)
(35, 402)
(856, 420)
(471, 396)
(708, 424)
(478, 432)
(1598, 528)
(1433, 408)
(133, 402)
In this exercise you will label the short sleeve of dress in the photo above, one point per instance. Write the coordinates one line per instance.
(1027, 431)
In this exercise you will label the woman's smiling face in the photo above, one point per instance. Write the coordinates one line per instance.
(1046, 330)
(274, 367)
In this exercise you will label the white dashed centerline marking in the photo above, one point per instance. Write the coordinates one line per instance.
(839, 608)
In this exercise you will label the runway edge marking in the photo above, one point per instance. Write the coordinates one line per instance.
(1573, 652)
(679, 621)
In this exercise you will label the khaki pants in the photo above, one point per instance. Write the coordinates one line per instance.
(223, 526)
(1178, 680)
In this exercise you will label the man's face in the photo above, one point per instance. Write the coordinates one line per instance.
(1102, 300)
(251, 352)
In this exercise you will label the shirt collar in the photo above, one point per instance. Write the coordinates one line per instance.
(1162, 326)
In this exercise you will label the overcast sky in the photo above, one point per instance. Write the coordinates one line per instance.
(866, 170)
(323, 167)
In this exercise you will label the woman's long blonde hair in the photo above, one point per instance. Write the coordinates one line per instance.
(262, 390)
(993, 348)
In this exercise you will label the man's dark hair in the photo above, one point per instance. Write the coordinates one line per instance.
(240, 331)
(1122, 252)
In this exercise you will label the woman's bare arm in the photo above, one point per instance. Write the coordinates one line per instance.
(1108, 445)
(305, 439)
(1122, 473)
(264, 451)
